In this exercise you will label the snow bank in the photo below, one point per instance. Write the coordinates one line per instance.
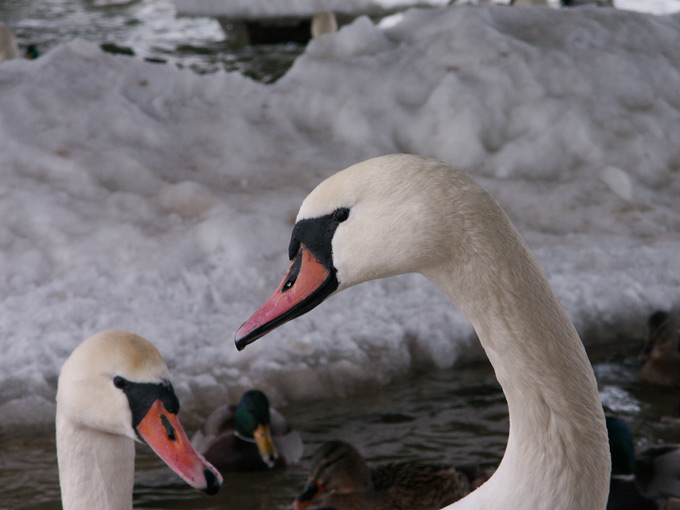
(147, 198)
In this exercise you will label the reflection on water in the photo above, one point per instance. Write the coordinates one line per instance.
(456, 416)
(147, 27)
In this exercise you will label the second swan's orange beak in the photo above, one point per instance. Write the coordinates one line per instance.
(306, 284)
(162, 431)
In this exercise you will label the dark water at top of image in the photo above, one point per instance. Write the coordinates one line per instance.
(149, 29)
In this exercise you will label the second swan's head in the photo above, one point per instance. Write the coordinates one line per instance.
(386, 216)
(116, 383)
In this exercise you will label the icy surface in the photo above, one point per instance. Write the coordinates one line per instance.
(142, 197)
(654, 6)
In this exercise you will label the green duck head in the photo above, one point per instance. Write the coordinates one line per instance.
(253, 424)
(621, 446)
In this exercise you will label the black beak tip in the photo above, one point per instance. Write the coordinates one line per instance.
(242, 342)
(249, 338)
(212, 483)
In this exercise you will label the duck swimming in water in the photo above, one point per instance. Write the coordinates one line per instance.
(661, 351)
(340, 478)
(624, 492)
(645, 480)
(249, 436)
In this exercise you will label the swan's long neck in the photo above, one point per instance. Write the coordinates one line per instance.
(557, 456)
(96, 469)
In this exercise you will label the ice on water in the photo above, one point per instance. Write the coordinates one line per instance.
(143, 197)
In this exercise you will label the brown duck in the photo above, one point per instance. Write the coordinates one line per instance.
(661, 351)
(341, 479)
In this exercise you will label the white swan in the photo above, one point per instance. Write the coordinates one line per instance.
(400, 214)
(114, 389)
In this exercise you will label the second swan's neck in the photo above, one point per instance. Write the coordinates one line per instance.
(557, 456)
(96, 469)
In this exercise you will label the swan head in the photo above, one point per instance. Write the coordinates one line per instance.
(253, 422)
(117, 383)
(386, 216)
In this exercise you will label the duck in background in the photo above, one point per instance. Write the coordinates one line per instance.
(32, 52)
(624, 492)
(340, 479)
(250, 436)
(661, 351)
(646, 481)
(114, 390)
(657, 472)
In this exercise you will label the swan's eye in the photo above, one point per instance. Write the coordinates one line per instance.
(293, 274)
(341, 214)
(119, 382)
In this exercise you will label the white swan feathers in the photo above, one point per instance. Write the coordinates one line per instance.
(115, 389)
(401, 213)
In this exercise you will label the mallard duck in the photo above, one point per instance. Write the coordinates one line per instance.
(249, 436)
(401, 214)
(624, 492)
(341, 479)
(647, 480)
(661, 351)
(657, 472)
(31, 52)
(114, 390)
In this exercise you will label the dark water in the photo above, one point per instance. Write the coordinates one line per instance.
(150, 29)
(451, 416)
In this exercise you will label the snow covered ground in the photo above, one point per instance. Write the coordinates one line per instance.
(139, 196)
(653, 6)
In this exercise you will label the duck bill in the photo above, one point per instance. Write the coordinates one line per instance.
(265, 445)
(306, 284)
(308, 495)
(162, 431)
